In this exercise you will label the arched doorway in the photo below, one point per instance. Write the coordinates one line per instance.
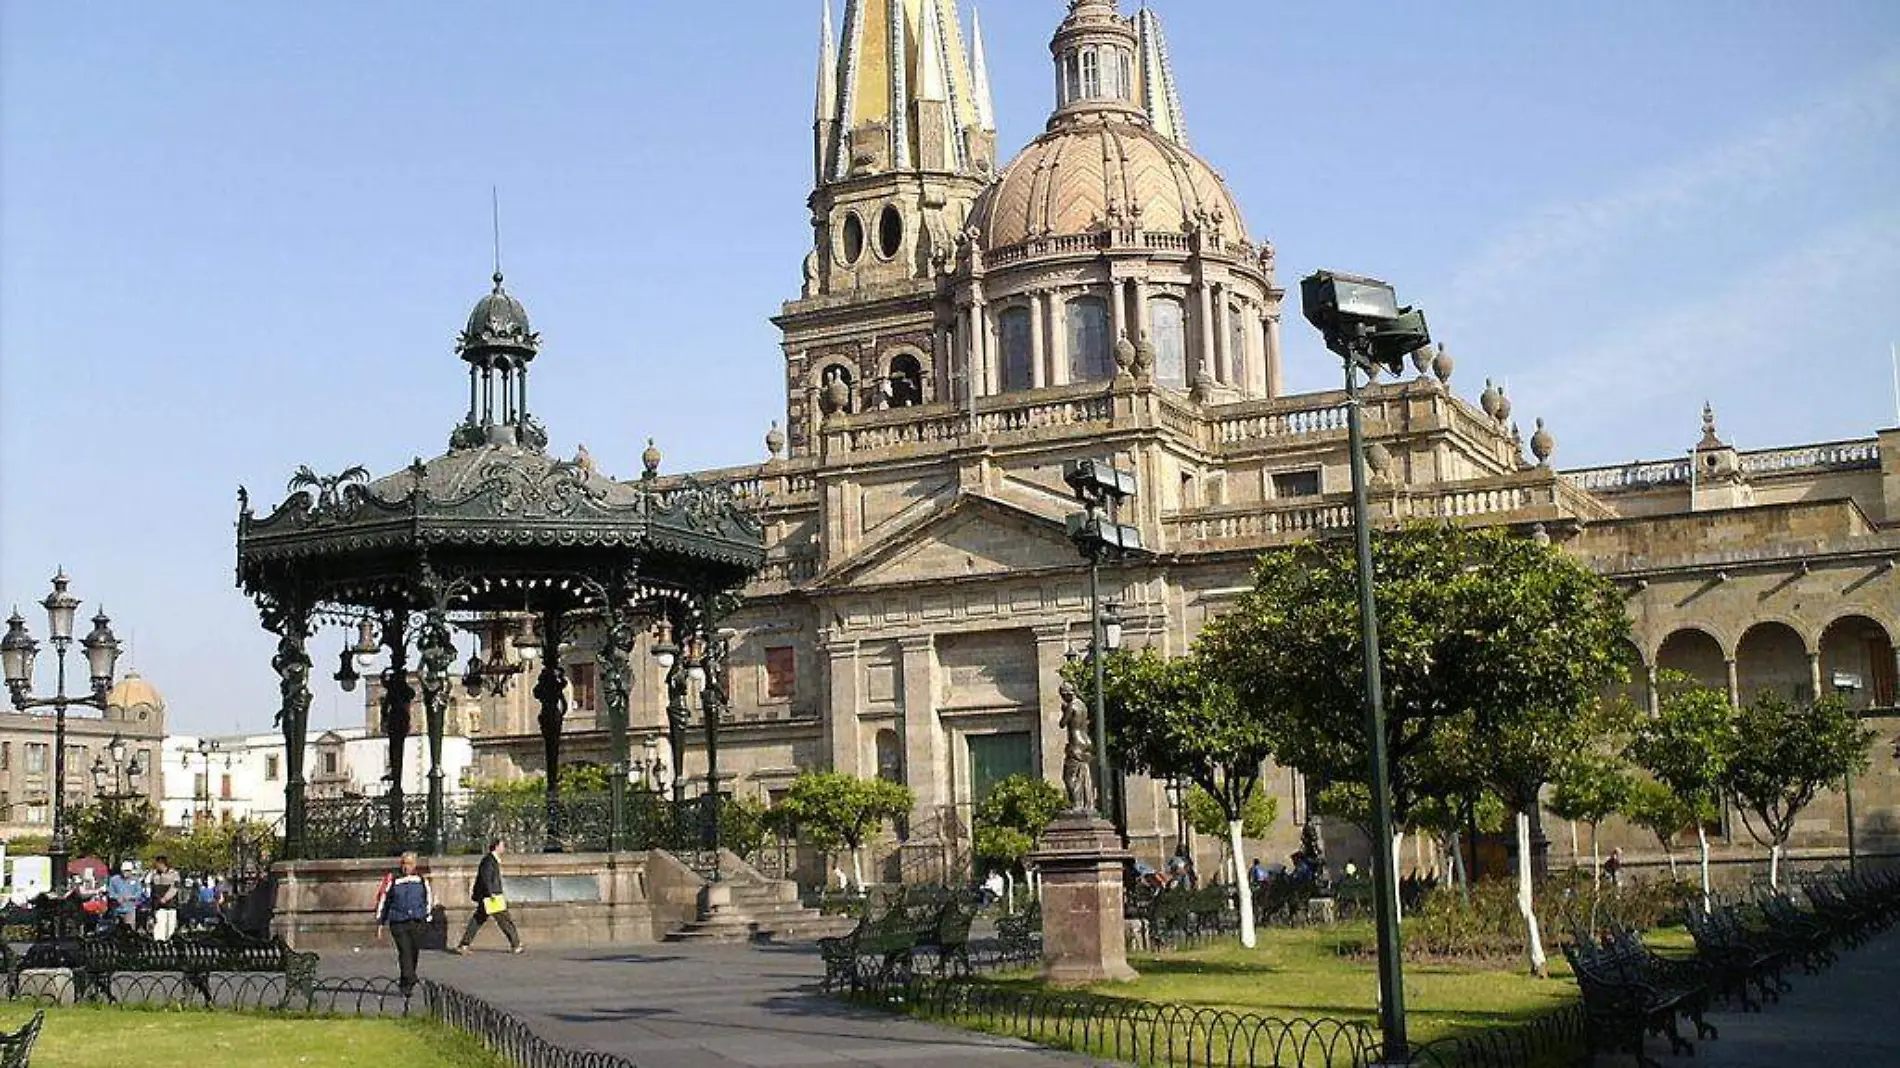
(1697, 654)
(1857, 662)
(1773, 657)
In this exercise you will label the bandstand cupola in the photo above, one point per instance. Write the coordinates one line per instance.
(498, 345)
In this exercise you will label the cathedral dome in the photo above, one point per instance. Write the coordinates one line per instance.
(133, 694)
(1104, 170)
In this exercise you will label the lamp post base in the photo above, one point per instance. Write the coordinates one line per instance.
(1082, 865)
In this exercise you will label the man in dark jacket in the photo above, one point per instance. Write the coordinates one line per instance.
(404, 906)
(489, 901)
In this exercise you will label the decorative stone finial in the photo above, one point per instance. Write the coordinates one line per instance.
(1124, 357)
(775, 441)
(836, 397)
(650, 459)
(1443, 365)
(1422, 360)
(1488, 400)
(584, 459)
(1710, 439)
(1543, 445)
(1504, 406)
(1379, 459)
(1144, 358)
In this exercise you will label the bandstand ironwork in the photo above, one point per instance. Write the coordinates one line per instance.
(494, 530)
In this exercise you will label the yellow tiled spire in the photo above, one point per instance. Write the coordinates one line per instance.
(896, 55)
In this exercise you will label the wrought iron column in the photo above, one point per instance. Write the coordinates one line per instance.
(551, 691)
(616, 685)
(438, 663)
(292, 663)
(712, 697)
(398, 700)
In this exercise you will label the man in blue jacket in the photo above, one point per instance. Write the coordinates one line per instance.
(403, 908)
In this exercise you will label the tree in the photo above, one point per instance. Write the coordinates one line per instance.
(1180, 718)
(1495, 652)
(1686, 746)
(114, 831)
(832, 810)
(1783, 755)
(1590, 789)
(1012, 817)
(209, 849)
(1657, 809)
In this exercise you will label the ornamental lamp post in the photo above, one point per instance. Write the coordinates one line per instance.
(1098, 533)
(1362, 322)
(18, 652)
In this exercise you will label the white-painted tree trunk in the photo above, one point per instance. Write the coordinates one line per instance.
(1774, 866)
(1459, 876)
(1009, 893)
(1398, 885)
(1596, 859)
(857, 867)
(1671, 854)
(1576, 845)
(1243, 888)
(1702, 844)
(1526, 906)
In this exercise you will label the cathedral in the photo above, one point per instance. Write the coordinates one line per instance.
(967, 325)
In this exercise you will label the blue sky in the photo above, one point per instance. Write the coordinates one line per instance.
(235, 238)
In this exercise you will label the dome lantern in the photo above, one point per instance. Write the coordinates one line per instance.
(498, 345)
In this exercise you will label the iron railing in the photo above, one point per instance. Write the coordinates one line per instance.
(362, 827)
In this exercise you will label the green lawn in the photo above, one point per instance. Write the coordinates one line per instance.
(87, 1037)
(1302, 974)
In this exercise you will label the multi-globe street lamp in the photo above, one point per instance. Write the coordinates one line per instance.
(1363, 323)
(1100, 535)
(123, 773)
(18, 652)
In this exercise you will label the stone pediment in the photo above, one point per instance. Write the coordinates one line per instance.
(973, 537)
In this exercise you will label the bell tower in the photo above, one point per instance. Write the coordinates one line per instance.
(904, 138)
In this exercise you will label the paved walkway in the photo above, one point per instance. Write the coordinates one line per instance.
(700, 1007)
(1846, 1017)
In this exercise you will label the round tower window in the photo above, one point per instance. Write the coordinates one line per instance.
(890, 231)
(853, 238)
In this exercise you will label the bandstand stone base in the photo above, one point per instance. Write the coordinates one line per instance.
(1083, 864)
(554, 898)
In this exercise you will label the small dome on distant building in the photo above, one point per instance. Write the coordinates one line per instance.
(134, 699)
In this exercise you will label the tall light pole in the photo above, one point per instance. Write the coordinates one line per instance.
(1364, 325)
(17, 653)
(1099, 534)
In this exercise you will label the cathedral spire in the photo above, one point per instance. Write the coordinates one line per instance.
(980, 75)
(1160, 95)
(825, 118)
(904, 98)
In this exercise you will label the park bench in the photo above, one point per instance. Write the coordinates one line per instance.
(197, 956)
(16, 1049)
(1020, 934)
(1624, 1004)
(1737, 957)
(883, 945)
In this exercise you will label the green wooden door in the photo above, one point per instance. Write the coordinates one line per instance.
(995, 757)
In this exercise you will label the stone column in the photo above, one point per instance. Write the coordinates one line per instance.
(1653, 691)
(1223, 359)
(1038, 348)
(1814, 676)
(1051, 645)
(1734, 683)
(1258, 373)
(1144, 326)
(1117, 308)
(842, 679)
(1058, 337)
(1203, 366)
(1276, 384)
(924, 758)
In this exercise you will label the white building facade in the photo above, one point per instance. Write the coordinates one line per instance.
(227, 778)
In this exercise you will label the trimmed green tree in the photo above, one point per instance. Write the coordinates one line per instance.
(1783, 755)
(1496, 651)
(1012, 817)
(1179, 717)
(1686, 746)
(1656, 809)
(114, 831)
(1591, 788)
(832, 810)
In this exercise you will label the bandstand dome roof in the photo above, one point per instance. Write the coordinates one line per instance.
(1089, 170)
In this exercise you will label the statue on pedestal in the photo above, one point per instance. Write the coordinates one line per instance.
(1078, 754)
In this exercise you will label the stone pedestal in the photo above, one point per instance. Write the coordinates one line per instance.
(719, 920)
(1082, 863)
